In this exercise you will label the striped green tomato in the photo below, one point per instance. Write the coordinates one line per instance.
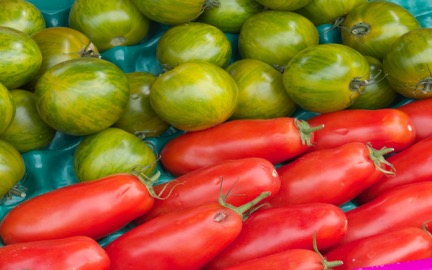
(82, 96)
(109, 23)
(287, 5)
(326, 77)
(20, 57)
(112, 150)
(21, 15)
(7, 108)
(194, 41)
(194, 96)
(27, 131)
(12, 167)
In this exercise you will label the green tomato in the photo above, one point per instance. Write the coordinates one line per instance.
(194, 96)
(287, 5)
(326, 77)
(12, 167)
(27, 131)
(261, 91)
(112, 150)
(194, 41)
(7, 108)
(139, 117)
(274, 37)
(82, 96)
(109, 23)
(21, 15)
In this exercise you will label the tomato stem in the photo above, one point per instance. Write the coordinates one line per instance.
(89, 52)
(360, 29)
(425, 85)
(211, 4)
(377, 156)
(306, 131)
(327, 265)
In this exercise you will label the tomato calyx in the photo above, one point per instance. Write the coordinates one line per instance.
(18, 190)
(360, 29)
(150, 181)
(328, 265)
(306, 131)
(210, 4)
(89, 51)
(425, 85)
(377, 156)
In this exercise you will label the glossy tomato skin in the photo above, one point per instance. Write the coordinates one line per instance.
(110, 151)
(94, 209)
(13, 167)
(82, 96)
(139, 117)
(125, 25)
(27, 130)
(276, 140)
(420, 113)
(78, 252)
(386, 127)
(261, 91)
(326, 77)
(407, 64)
(21, 15)
(274, 37)
(287, 5)
(405, 244)
(7, 107)
(58, 44)
(406, 205)
(327, 11)
(268, 231)
(194, 96)
(372, 27)
(193, 41)
(412, 165)
(245, 179)
(20, 57)
(186, 239)
(340, 174)
(230, 15)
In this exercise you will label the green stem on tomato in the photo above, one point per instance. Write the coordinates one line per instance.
(377, 156)
(306, 131)
(327, 265)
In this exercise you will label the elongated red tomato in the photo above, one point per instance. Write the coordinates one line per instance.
(406, 244)
(335, 175)
(186, 239)
(420, 113)
(94, 209)
(244, 179)
(382, 128)
(272, 230)
(77, 252)
(414, 164)
(291, 259)
(276, 140)
(407, 205)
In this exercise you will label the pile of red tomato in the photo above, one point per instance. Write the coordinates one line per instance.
(215, 134)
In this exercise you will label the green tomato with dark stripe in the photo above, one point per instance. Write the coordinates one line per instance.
(7, 108)
(112, 150)
(21, 15)
(287, 5)
(194, 96)
(27, 130)
(326, 77)
(194, 41)
(20, 57)
(82, 96)
(12, 168)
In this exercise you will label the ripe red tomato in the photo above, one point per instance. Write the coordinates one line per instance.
(244, 179)
(276, 140)
(386, 127)
(94, 209)
(420, 113)
(335, 175)
(78, 252)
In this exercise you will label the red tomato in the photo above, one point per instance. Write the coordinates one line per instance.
(413, 164)
(420, 112)
(401, 245)
(244, 179)
(185, 239)
(407, 205)
(268, 231)
(335, 175)
(291, 259)
(276, 140)
(382, 128)
(78, 252)
(94, 209)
